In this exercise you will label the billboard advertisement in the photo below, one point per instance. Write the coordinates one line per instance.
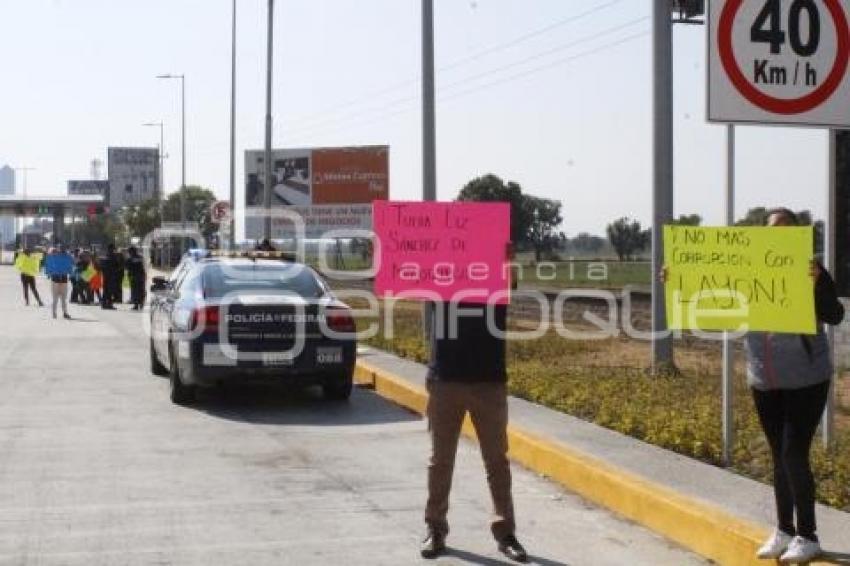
(88, 187)
(327, 188)
(133, 175)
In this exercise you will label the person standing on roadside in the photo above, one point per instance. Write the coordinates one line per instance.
(95, 282)
(459, 381)
(28, 265)
(790, 376)
(78, 282)
(109, 272)
(136, 272)
(59, 266)
(120, 271)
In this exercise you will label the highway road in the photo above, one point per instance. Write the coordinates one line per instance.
(97, 467)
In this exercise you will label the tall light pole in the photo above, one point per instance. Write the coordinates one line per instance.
(24, 184)
(429, 135)
(269, 184)
(233, 132)
(161, 127)
(662, 171)
(23, 170)
(429, 132)
(183, 144)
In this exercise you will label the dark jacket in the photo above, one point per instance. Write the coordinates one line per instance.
(135, 268)
(470, 351)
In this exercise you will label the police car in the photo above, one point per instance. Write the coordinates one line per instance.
(247, 318)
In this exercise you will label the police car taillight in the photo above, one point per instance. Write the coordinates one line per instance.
(340, 320)
(205, 319)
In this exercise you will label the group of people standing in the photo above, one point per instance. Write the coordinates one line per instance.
(93, 279)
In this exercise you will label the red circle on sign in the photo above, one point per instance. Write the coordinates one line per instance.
(772, 103)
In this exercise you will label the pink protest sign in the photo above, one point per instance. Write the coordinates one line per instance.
(446, 251)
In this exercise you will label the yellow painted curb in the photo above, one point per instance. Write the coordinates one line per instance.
(696, 525)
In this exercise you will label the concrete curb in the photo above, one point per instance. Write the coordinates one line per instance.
(696, 525)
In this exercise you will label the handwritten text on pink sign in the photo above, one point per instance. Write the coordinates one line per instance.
(454, 251)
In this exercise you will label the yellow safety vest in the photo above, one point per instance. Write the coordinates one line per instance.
(28, 264)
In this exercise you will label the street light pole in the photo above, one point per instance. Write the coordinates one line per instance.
(662, 198)
(429, 133)
(161, 127)
(429, 137)
(24, 171)
(182, 78)
(269, 184)
(24, 187)
(232, 220)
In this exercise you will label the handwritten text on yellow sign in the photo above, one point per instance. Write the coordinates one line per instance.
(739, 278)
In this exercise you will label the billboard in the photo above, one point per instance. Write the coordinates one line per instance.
(89, 187)
(133, 175)
(328, 188)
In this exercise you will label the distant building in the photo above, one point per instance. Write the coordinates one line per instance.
(7, 223)
(133, 175)
(88, 187)
(7, 180)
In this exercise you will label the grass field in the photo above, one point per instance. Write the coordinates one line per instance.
(605, 274)
(581, 273)
(605, 382)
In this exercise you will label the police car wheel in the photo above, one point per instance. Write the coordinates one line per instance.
(181, 394)
(339, 390)
(156, 367)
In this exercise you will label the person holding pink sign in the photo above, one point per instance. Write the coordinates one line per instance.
(467, 373)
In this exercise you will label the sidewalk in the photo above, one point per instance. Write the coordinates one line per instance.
(714, 512)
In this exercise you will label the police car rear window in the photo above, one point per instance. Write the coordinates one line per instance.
(220, 280)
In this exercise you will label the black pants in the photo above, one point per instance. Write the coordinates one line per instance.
(789, 418)
(137, 291)
(28, 282)
(108, 293)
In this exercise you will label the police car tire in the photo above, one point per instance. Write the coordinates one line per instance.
(338, 390)
(181, 394)
(156, 367)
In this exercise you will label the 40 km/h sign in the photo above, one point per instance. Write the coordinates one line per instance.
(779, 62)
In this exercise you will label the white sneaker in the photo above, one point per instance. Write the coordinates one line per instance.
(775, 546)
(801, 550)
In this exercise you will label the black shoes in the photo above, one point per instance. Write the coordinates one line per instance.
(433, 545)
(510, 547)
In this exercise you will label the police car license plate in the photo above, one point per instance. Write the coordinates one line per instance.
(277, 359)
(329, 355)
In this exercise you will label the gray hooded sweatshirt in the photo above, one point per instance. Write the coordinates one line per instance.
(794, 361)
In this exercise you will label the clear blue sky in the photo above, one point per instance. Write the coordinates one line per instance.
(565, 111)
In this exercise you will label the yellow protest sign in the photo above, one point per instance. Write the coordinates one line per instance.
(739, 278)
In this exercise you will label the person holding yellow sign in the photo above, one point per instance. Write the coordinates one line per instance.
(29, 264)
(789, 367)
(790, 376)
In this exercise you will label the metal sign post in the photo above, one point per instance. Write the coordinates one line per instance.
(728, 347)
(828, 422)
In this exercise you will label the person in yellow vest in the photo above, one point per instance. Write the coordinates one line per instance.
(28, 264)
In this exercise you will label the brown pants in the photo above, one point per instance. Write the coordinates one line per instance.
(487, 404)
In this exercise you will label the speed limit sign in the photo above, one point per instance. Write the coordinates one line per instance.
(220, 211)
(779, 62)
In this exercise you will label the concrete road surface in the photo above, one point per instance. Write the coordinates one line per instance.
(97, 467)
